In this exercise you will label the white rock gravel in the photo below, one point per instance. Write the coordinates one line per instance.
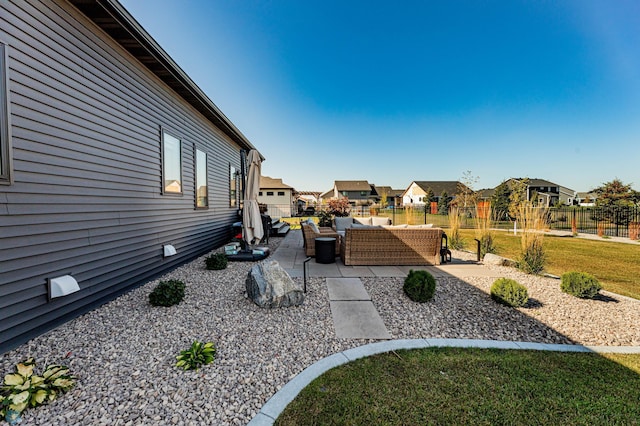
(123, 353)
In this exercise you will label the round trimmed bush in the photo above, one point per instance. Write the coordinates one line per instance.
(419, 286)
(167, 293)
(509, 292)
(216, 261)
(580, 284)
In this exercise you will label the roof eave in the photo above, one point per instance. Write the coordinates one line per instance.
(114, 19)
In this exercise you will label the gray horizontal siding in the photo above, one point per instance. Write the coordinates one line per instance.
(87, 193)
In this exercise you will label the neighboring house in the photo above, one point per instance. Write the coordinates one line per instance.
(485, 194)
(394, 196)
(586, 199)
(547, 193)
(277, 196)
(359, 192)
(416, 191)
(108, 153)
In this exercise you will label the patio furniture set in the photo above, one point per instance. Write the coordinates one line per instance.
(374, 241)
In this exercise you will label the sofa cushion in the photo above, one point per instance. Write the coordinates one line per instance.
(360, 226)
(380, 220)
(362, 220)
(343, 223)
(314, 227)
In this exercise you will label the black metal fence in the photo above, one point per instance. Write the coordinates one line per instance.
(603, 221)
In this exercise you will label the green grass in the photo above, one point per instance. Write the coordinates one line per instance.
(473, 386)
(616, 265)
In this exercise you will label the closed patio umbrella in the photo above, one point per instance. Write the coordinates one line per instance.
(252, 230)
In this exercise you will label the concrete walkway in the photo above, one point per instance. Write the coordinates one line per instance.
(290, 255)
(354, 316)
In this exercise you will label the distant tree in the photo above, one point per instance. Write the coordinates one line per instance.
(339, 207)
(429, 196)
(466, 195)
(500, 201)
(616, 193)
(384, 197)
(518, 195)
(443, 203)
(615, 199)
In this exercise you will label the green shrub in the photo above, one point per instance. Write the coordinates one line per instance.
(580, 284)
(509, 292)
(419, 286)
(197, 355)
(216, 261)
(167, 293)
(532, 258)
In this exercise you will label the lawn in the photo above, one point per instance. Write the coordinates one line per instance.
(616, 265)
(473, 386)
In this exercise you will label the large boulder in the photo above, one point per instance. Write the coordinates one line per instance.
(269, 286)
(494, 259)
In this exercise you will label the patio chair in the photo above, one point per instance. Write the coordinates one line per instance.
(311, 231)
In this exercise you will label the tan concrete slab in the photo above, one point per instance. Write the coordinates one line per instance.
(357, 320)
(387, 271)
(323, 269)
(355, 271)
(341, 289)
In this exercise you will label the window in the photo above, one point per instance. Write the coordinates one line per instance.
(202, 193)
(363, 193)
(233, 185)
(280, 193)
(344, 193)
(260, 193)
(171, 164)
(269, 193)
(5, 136)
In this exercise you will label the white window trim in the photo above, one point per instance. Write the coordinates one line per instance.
(164, 131)
(206, 177)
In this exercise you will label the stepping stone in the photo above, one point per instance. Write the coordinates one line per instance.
(342, 289)
(357, 320)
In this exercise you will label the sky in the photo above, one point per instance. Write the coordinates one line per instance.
(395, 92)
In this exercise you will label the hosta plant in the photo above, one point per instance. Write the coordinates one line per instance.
(197, 355)
(24, 388)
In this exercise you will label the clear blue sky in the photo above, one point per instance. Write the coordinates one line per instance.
(393, 92)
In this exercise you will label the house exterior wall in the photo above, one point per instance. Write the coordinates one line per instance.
(87, 195)
(278, 205)
(413, 195)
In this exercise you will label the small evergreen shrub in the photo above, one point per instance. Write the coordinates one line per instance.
(532, 258)
(419, 286)
(167, 293)
(216, 261)
(580, 284)
(509, 292)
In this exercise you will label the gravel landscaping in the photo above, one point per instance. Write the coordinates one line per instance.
(123, 353)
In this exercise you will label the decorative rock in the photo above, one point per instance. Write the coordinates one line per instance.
(494, 259)
(269, 286)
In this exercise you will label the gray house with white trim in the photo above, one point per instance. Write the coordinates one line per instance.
(109, 153)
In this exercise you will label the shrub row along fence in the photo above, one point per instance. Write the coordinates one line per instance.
(603, 221)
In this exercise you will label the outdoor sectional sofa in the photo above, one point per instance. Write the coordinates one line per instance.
(391, 245)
